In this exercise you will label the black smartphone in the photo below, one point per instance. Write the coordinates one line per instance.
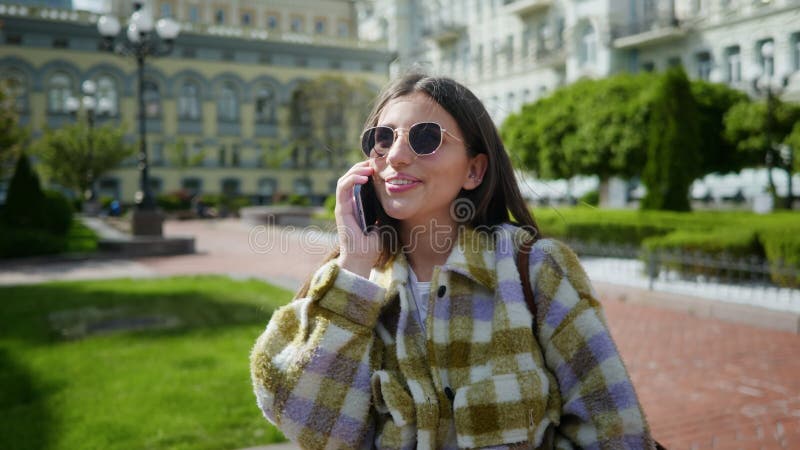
(367, 205)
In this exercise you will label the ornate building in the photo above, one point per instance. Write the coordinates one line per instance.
(227, 111)
(513, 51)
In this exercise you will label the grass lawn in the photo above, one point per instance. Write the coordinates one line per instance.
(132, 364)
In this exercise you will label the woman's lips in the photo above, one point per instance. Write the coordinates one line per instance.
(399, 184)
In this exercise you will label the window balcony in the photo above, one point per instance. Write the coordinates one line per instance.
(524, 8)
(445, 31)
(649, 32)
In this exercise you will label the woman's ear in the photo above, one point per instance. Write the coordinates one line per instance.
(476, 170)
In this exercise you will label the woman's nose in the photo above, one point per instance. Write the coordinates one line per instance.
(400, 153)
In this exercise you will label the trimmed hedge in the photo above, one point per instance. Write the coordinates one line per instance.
(775, 237)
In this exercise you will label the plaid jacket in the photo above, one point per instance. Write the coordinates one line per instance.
(349, 366)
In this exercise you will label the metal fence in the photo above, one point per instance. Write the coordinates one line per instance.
(750, 280)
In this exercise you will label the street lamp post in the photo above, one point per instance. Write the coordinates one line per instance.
(771, 87)
(142, 40)
(91, 107)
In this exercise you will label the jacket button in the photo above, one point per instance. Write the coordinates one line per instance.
(441, 291)
(449, 393)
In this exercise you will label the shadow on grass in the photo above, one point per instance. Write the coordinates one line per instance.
(49, 315)
(43, 314)
(25, 421)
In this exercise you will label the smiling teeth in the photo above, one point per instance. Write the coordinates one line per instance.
(400, 182)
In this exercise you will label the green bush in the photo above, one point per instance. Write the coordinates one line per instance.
(19, 242)
(710, 233)
(59, 213)
(175, 201)
(298, 200)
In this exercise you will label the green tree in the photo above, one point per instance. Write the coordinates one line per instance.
(25, 205)
(759, 129)
(674, 144)
(67, 159)
(592, 127)
(719, 154)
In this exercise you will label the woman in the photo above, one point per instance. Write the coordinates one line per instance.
(428, 344)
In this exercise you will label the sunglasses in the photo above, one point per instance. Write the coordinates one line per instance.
(424, 138)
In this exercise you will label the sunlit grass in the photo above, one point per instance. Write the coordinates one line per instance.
(132, 364)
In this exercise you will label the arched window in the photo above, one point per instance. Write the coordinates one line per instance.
(58, 91)
(152, 100)
(588, 46)
(228, 106)
(189, 101)
(107, 98)
(300, 110)
(265, 104)
(15, 86)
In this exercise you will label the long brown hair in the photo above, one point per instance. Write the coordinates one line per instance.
(498, 193)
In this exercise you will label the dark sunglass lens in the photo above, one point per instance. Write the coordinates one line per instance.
(425, 138)
(368, 141)
(384, 138)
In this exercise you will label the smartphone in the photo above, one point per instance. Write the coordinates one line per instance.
(366, 204)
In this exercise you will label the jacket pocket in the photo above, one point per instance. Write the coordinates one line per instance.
(396, 415)
(502, 409)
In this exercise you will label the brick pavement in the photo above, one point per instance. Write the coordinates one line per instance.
(704, 383)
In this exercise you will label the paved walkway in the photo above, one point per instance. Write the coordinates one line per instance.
(705, 383)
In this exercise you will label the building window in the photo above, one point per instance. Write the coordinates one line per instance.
(297, 24)
(236, 156)
(247, 19)
(222, 156)
(192, 185)
(194, 14)
(733, 64)
(108, 187)
(166, 10)
(343, 29)
(272, 21)
(230, 187)
(188, 52)
(267, 187)
(302, 186)
(60, 42)
(228, 103)
(228, 55)
(156, 185)
(14, 84)
(58, 91)
(648, 66)
(320, 26)
(265, 104)
(588, 46)
(107, 98)
(152, 100)
(189, 101)
(795, 52)
(704, 65)
(766, 63)
(219, 17)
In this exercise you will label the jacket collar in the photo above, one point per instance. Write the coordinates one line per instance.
(474, 256)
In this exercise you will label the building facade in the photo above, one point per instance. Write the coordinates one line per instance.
(512, 52)
(227, 110)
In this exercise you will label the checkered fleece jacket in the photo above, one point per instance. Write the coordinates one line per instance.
(348, 366)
